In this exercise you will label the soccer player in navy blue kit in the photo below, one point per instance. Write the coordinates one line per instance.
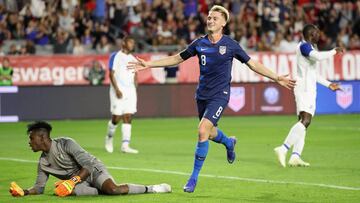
(215, 52)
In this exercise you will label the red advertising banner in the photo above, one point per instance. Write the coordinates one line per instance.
(69, 69)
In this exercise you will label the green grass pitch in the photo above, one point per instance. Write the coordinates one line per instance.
(167, 150)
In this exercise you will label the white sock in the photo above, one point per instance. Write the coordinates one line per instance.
(299, 144)
(137, 189)
(111, 129)
(126, 134)
(296, 132)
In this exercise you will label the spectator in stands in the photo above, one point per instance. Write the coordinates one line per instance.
(78, 48)
(19, 32)
(354, 43)
(99, 11)
(87, 39)
(66, 21)
(69, 5)
(95, 74)
(104, 46)
(288, 44)
(6, 73)
(30, 47)
(31, 30)
(13, 50)
(62, 42)
(42, 35)
(37, 8)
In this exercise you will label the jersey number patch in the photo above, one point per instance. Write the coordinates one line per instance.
(203, 60)
(218, 112)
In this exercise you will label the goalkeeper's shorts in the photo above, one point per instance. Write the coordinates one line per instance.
(99, 175)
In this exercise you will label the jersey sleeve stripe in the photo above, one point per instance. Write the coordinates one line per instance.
(111, 60)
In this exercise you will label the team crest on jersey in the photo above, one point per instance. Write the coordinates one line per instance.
(222, 50)
(237, 98)
(344, 98)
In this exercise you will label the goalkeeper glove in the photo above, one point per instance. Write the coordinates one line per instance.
(57, 183)
(16, 190)
(65, 188)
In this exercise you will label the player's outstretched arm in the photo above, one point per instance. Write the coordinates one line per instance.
(322, 55)
(17, 191)
(141, 64)
(262, 70)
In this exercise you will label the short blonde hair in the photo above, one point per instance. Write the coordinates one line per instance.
(221, 10)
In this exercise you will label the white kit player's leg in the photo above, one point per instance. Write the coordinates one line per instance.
(109, 137)
(295, 159)
(126, 137)
(296, 132)
(299, 145)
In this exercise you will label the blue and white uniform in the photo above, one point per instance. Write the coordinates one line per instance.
(305, 90)
(215, 60)
(125, 80)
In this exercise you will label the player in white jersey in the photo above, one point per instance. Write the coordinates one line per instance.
(307, 56)
(123, 96)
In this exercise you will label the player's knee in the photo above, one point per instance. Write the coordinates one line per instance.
(202, 131)
(124, 189)
(115, 120)
(82, 191)
(127, 119)
(111, 190)
(306, 122)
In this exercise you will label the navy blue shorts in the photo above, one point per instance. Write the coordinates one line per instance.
(211, 109)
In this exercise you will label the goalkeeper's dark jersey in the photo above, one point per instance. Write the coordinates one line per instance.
(64, 160)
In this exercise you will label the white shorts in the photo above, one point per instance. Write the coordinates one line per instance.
(305, 101)
(125, 105)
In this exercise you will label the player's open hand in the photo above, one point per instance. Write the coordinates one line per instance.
(286, 82)
(335, 86)
(138, 65)
(16, 190)
(118, 94)
(66, 187)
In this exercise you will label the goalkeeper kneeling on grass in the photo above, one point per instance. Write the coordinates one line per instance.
(80, 173)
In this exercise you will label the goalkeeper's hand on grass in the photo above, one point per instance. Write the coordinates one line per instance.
(65, 187)
(16, 190)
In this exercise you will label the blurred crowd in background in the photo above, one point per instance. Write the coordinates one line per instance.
(97, 26)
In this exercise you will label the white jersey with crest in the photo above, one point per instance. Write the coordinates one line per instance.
(125, 80)
(307, 57)
(124, 77)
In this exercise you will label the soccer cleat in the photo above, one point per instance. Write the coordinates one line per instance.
(231, 150)
(129, 150)
(281, 155)
(109, 144)
(161, 188)
(190, 185)
(297, 161)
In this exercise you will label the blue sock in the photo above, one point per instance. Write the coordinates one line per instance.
(223, 139)
(200, 155)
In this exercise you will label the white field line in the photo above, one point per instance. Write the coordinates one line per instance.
(211, 176)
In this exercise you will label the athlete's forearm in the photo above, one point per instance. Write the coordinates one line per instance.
(167, 61)
(31, 191)
(113, 81)
(262, 70)
(321, 55)
(322, 81)
(84, 173)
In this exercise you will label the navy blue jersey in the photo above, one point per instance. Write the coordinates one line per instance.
(215, 62)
